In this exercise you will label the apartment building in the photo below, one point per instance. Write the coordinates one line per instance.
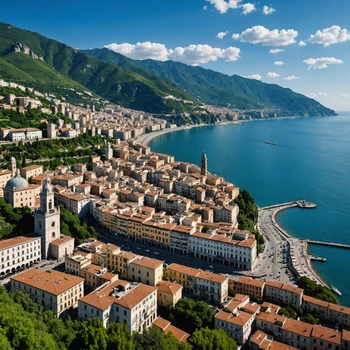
(237, 318)
(261, 341)
(76, 203)
(145, 270)
(134, 304)
(251, 287)
(168, 293)
(238, 250)
(19, 253)
(5, 176)
(205, 285)
(54, 290)
(31, 171)
(283, 293)
(327, 311)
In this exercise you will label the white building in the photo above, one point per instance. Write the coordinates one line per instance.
(54, 290)
(133, 304)
(19, 252)
(283, 293)
(47, 225)
(239, 251)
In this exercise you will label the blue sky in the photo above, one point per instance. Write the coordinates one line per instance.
(186, 30)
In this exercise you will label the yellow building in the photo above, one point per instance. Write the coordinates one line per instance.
(5, 176)
(145, 270)
(168, 293)
(19, 193)
(31, 171)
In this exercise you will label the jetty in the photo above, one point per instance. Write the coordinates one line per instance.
(329, 244)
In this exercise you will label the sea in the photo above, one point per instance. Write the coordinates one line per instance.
(311, 161)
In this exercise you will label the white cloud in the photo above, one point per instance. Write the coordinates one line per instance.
(312, 95)
(268, 10)
(190, 54)
(322, 94)
(266, 37)
(205, 8)
(291, 77)
(224, 5)
(254, 76)
(248, 8)
(272, 75)
(302, 43)
(321, 63)
(221, 35)
(328, 36)
(276, 50)
(279, 63)
(344, 96)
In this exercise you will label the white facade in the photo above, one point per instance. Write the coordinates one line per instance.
(18, 253)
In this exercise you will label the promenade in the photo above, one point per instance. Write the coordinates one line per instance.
(293, 251)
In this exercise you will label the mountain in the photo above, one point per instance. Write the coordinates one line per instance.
(219, 89)
(48, 65)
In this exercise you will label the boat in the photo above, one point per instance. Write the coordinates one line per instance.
(270, 143)
(336, 290)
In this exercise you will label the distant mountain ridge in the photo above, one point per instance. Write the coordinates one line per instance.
(34, 60)
(219, 89)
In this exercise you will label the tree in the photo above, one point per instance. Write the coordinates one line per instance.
(119, 337)
(288, 312)
(315, 290)
(211, 339)
(190, 315)
(310, 319)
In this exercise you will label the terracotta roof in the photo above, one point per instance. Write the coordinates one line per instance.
(11, 242)
(148, 262)
(214, 277)
(63, 240)
(298, 327)
(167, 327)
(31, 167)
(239, 319)
(327, 334)
(169, 287)
(135, 296)
(184, 269)
(54, 282)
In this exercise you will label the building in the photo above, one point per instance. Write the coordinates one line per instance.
(167, 327)
(47, 225)
(31, 171)
(51, 131)
(168, 293)
(261, 341)
(134, 304)
(20, 134)
(54, 290)
(205, 285)
(251, 287)
(145, 270)
(283, 293)
(108, 152)
(5, 176)
(19, 253)
(19, 193)
(237, 318)
(74, 202)
(204, 165)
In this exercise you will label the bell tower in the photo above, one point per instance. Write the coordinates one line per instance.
(204, 165)
(13, 166)
(47, 218)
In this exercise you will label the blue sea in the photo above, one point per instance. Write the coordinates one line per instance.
(311, 160)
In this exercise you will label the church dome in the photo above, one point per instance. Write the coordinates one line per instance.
(17, 182)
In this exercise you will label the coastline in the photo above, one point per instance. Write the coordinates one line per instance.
(299, 243)
(145, 139)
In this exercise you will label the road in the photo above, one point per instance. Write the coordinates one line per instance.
(274, 259)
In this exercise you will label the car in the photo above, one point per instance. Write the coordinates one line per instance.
(156, 253)
(211, 267)
(138, 248)
(147, 250)
(115, 233)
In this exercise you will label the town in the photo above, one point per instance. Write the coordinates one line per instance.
(167, 230)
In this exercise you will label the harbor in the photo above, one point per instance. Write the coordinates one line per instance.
(298, 259)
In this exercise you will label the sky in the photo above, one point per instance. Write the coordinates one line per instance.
(300, 44)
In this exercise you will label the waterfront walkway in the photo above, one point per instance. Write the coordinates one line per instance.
(287, 251)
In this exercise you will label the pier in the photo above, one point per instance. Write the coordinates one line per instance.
(329, 244)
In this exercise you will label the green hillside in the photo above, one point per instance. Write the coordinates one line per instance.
(219, 89)
(63, 67)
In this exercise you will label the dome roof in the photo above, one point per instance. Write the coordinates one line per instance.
(17, 182)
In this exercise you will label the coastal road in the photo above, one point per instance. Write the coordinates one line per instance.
(285, 249)
(273, 260)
